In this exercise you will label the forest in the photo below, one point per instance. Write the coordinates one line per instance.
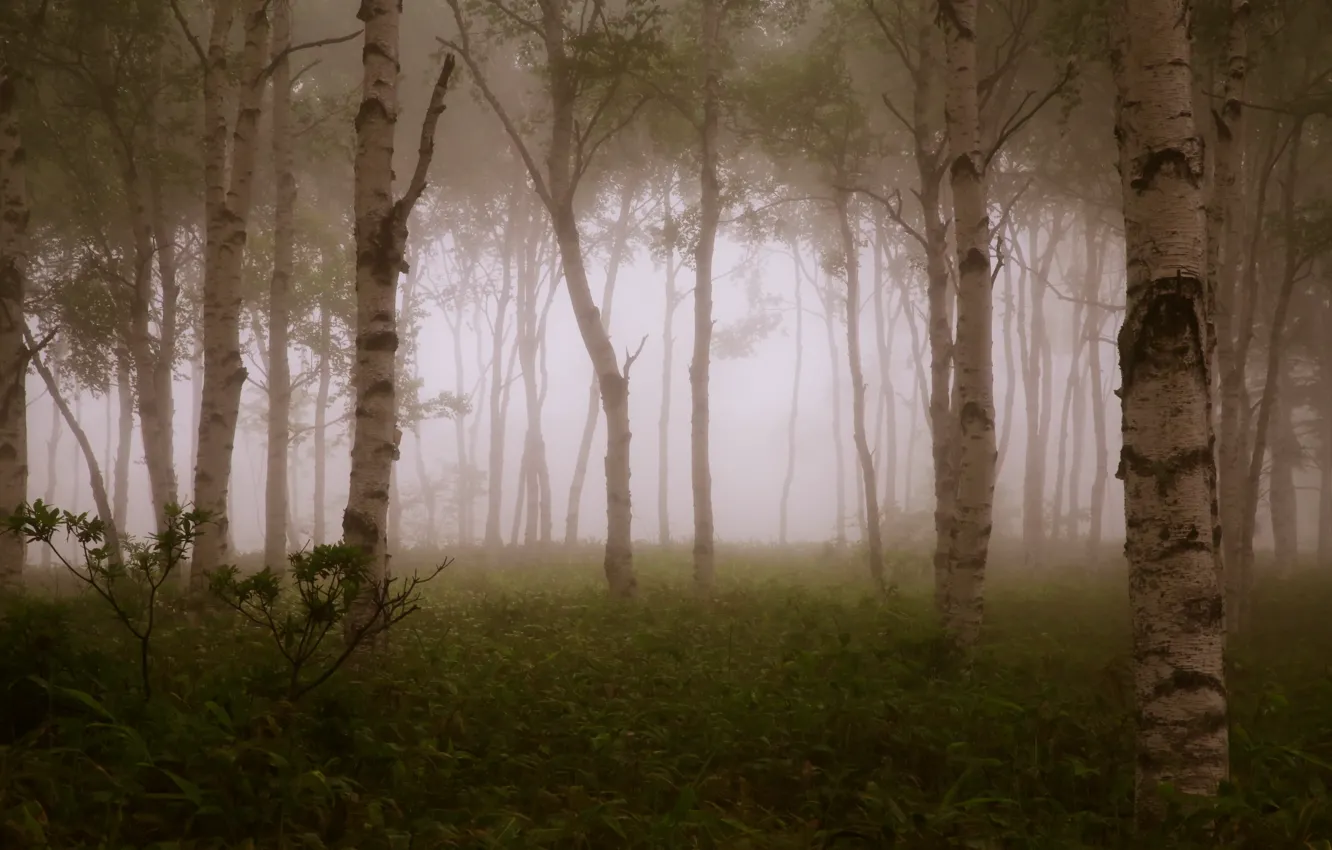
(591, 424)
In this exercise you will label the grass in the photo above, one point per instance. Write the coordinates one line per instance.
(523, 709)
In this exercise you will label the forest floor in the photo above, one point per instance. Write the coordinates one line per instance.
(521, 708)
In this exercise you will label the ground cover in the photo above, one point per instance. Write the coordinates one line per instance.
(522, 709)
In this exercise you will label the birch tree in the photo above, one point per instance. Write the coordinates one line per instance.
(381, 242)
(972, 357)
(1166, 463)
(279, 295)
(228, 192)
(13, 350)
(584, 58)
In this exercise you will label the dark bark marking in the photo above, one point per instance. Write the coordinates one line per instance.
(380, 341)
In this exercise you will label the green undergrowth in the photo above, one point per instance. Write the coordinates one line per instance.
(523, 709)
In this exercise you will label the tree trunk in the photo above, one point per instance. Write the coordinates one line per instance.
(667, 372)
(320, 436)
(534, 445)
(1281, 476)
(227, 217)
(619, 248)
(1222, 267)
(71, 419)
(279, 307)
(13, 352)
(700, 464)
(381, 239)
(125, 441)
(1325, 479)
(839, 441)
(789, 479)
(868, 478)
(463, 486)
(1010, 370)
(52, 461)
(1239, 614)
(972, 354)
(943, 427)
(1166, 463)
(498, 412)
(887, 393)
(1095, 252)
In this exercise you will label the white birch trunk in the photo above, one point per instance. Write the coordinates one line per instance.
(1166, 463)
(13, 351)
(279, 296)
(972, 360)
(227, 217)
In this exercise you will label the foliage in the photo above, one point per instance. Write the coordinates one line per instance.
(131, 581)
(327, 584)
(792, 710)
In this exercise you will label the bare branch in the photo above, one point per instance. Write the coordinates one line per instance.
(463, 49)
(630, 358)
(1016, 121)
(426, 151)
(323, 42)
(189, 36)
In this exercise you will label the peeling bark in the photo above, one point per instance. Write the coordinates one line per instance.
(14, 352)
(227, 210)
(381, 241)
(972, 355)
(1223, 213)
(1167, 461)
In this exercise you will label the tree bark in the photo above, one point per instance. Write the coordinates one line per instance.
(868, 477)
(972, 357)
(1095, 252)
(279, 297)
(14, 352)
(829, 299)
(883, 330)
(928, 155)
(125, 440)
(320, 437)
(700, 464)
(1166, 463)
(1282, 504)
(667, 372)
(71, 419)
(1325, 478)
(381, 240)
(1239, 613)
(619, 248)
(789, 479)
(227, 210)
(1222, 268)
(52, 462)
(498, 413)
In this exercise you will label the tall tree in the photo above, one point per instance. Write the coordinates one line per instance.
(13, 350)
(279, 295)
(972, 356)
(381, 243)
(228, 193)
(584, 59)
(1169, 473)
